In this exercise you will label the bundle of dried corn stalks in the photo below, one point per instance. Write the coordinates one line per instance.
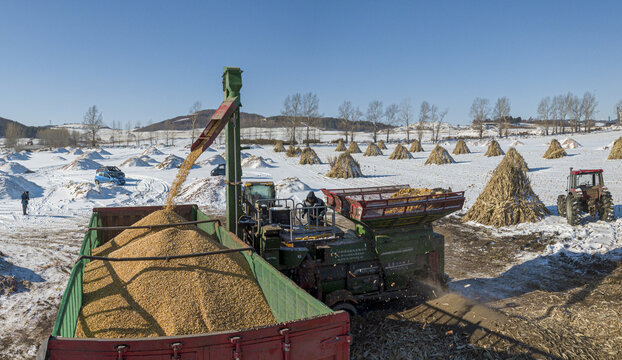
(494, 149)
(507, 199)
(340, 146)
(354, 148)
(439, 156)
(415, 146)
(400, 152)
(344, 167)
(372, 150)
(309, 157)
(279, 147)
(555, 151)
(461, 148)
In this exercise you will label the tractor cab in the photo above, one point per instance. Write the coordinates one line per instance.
(256, 196)
(588, 182)
(585, 192)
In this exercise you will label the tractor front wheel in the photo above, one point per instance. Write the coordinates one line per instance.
(606, 212)
(572, 210)
(561, 205)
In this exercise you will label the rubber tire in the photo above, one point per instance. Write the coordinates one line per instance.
(96, 182)
(346, 306)
(606, 212)
(572, 210)
(561, 205)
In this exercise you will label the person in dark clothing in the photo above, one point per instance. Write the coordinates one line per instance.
(316, 216)
(25, 199)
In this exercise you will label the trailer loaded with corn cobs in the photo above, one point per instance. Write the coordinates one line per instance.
(391, 249)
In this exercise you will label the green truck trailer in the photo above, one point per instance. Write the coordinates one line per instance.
(306, 329)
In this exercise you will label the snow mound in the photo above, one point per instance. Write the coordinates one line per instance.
(570, 143)
(242, 155)
(289, 186)
(516, 143)
(91, 155)
(20, 156)
(14, 168)
(148, 159)
(60, 151)
(12, 187)
(134, 162)
(152, 151)
(85, 190)
(58, 157)
(213, 160)
(81, 164)
(255, 162)
(77, 151)
(103, 152)
(208, 192)
(172, 162)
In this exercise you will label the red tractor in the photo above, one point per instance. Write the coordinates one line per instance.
(586, 192)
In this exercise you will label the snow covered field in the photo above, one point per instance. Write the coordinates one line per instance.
(38, 250)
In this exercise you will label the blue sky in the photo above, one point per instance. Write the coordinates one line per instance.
(144, 61)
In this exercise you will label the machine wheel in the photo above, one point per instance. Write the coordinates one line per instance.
(561, 205)
(606, 212)
(346, 306)
(572, 210)
(96, 182)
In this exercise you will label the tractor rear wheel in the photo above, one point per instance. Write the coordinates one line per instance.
(346, 306)
(561, 205)
(606, 212)
(572, 210)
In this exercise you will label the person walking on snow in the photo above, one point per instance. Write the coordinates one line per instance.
(25, 199)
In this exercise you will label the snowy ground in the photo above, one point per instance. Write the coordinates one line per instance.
(39, 249)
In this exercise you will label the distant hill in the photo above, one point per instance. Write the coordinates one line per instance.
(28, 131)
(247, 120)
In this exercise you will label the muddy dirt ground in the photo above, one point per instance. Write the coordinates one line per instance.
(558, 307)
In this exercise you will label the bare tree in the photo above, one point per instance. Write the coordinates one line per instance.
(310, 107)
(588, 106)
(619, 112)
(433, 118)
(502, 113)
(374, 112)
(138, 133)
(390, 114)
(357, 115)
(479, 112)
(544, 112)
(291, 109)
(406, 116)
(194, 116)
(345, 113)
(573, 106)
(556, 113)
(424, 115)
(93, 120)
(439, 124)
(12, 135)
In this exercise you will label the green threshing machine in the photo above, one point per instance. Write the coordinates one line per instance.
(391, 248)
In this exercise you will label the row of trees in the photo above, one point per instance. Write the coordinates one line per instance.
(562, 111)
(556, 114)
(393, 115)
(481, 110)
(301, 109)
